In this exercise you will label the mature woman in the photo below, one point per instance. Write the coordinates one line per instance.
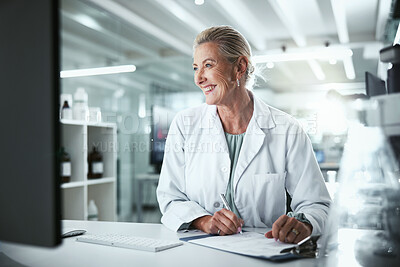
(237, 145)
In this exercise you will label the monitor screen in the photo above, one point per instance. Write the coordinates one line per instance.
(29, 74)
(374, 85)
(161, 118)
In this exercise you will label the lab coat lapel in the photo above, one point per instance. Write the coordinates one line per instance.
(254, 137)
(212, 127)
(252, 143)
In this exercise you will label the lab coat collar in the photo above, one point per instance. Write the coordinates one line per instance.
(261, 114)
(211, 115)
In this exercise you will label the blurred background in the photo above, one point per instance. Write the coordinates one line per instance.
(309, 54)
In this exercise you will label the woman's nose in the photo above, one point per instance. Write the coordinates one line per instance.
(199, 77)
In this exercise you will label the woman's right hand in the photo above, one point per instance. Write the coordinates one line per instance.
(223, 222)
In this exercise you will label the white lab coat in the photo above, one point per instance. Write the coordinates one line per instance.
(276, 154)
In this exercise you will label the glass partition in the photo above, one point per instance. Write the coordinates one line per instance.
(93, 38)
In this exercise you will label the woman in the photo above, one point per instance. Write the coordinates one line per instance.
(237, 145)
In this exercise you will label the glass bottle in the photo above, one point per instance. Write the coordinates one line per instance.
(66, 112)
(81, 108)
(93, 212)
(65, 166)
(95, 162)
(364, 209)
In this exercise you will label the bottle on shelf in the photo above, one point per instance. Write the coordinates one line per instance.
(66, 111)
(81, 108)
(94, 114)
(65, 166)
(95, 162)
(93, 214)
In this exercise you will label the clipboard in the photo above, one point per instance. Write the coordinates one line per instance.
(256, 245)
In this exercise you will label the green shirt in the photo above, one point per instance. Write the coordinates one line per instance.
(234, 142)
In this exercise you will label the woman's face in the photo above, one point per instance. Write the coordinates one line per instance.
(213, 74)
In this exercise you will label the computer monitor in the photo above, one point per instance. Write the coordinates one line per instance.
(161, 118)
(374, 85)
(29, 79)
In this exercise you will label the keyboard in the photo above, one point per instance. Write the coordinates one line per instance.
(128, 241)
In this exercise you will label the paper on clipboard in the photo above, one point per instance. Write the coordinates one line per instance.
(249, 244)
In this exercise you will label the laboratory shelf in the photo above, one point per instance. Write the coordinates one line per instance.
(101, 181)
(78, 138)
(72, 184)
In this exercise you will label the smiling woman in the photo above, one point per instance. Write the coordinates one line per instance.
(213, 73)
(263, 154)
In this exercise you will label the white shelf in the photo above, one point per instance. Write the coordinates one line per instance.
(72, 184)
(101, 181)
(78, 139)
(89, 182)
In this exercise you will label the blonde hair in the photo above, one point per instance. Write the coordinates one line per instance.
(231, 43)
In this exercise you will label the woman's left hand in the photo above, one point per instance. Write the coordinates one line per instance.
(288, 229)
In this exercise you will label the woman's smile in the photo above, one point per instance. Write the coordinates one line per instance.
(208, 89)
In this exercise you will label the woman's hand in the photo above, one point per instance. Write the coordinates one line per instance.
(223, 222)
(288, 229)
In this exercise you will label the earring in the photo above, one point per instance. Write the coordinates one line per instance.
(238, 83)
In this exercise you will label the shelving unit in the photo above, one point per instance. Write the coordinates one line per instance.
(78, 138)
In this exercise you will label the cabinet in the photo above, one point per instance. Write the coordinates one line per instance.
(78, 138)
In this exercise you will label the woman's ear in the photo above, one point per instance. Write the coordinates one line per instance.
(242, 66)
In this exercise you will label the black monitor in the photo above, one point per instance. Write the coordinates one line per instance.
(374, 85)
(29, 77)
(161, 118)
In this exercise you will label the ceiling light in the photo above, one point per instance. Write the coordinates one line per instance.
(339, 12)
(322, 54)
(332, 61)
(238, 9)
(199, 2)
(88, 22)
(139, 22)
(97, 71)
(185, 16)
(285, 11)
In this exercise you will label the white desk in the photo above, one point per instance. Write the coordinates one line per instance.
(72, 253)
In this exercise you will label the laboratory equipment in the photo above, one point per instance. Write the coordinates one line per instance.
(362, 229)
(374, 85)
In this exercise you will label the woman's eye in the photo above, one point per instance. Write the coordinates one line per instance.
(208, 65)
(195, 68)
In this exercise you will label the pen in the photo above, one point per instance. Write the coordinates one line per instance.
(227, 206)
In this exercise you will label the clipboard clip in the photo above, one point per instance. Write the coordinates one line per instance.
(305, 248)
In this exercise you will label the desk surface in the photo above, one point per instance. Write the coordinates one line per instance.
(72, 253)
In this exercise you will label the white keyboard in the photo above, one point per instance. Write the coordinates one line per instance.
(127, 241)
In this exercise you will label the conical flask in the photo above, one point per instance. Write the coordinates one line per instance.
(364, 209)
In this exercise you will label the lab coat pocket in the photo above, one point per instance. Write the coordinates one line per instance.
(269, 195)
